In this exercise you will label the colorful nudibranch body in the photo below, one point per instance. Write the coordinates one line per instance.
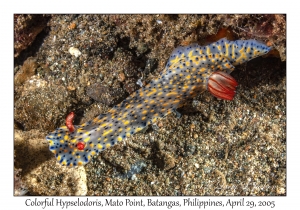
(186, 74)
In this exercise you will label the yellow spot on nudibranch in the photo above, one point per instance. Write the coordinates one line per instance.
(207, 50)
(107, 132)
(173, 93)
(138, 129)
(139, 106)
(190, 53)
(119, 138)
(233, 53)
(248, 49)
(243, 55)
(255, 52)
(103, 125)
(152, 102)
(175, 60)
(203, 69)
(86, 139)
(226, 46)
(152, 92)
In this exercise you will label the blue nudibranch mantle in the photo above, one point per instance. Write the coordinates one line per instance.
(186, 73)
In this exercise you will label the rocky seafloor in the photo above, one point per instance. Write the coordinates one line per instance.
(216, 148)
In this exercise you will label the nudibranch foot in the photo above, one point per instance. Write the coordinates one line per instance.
(177, 114)
(155, 127)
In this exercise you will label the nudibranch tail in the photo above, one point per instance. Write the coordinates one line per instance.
(189, 70)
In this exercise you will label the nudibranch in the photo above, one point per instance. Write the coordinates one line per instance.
(189, 71)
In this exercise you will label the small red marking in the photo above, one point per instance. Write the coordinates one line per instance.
(80, 145)
(69, 121)
(222, 85)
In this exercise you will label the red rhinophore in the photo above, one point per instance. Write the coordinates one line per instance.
(222, 85)
(69, 121)
(80, 145)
